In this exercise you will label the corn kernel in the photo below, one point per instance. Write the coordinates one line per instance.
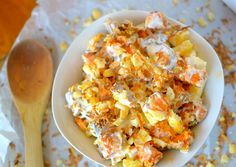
(175, 122)
(96, 13)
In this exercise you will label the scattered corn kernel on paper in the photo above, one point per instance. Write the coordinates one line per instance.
(56, 23)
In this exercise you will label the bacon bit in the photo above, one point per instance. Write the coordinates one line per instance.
(17, 159)
(225, 21)
(142, 34)
(53, 149)
(89, 57)
(47, 164)
(222, 50)
(195, 78)
(81, 123)
(12, 146)
(74, 158)
(224, 124)
(161, 103)
(163, 58)
(56, 134)
(230, 78)
(86, 164)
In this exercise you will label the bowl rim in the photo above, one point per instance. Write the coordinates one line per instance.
(110, 15)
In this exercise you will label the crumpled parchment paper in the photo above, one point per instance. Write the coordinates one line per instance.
(55, 23)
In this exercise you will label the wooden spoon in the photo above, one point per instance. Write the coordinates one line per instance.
(30, 73)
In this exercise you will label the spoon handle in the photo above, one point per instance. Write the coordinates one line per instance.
(33, 142)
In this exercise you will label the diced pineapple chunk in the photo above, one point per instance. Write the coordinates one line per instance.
(185, 48)
(159, 142)
(136, 60)
(76, 94)
(170, 94)
(92, 72)
(131, 163)
(179, 37)
(108, 73)
(154, 116)
(100, 62)
(135, 122)
(121, 106)
(175, 122)
(195, 92)
(196, 62)
(123, 113)
(118, 122)
(142, 137)
(85, 85)
(130, 141)
(94, 41)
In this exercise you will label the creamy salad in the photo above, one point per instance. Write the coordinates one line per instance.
(141, 91)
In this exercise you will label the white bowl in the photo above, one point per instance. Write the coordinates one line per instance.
(69, 72)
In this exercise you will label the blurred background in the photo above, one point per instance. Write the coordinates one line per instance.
(13, 15)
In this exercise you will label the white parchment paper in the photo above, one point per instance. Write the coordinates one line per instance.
(58, 21)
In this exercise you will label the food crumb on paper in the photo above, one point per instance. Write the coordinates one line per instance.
(76, 20)
(175, 2)
(182, 20)
(12, 146)
(224, 159)
(17, 158)
(96, 13)
(210, 16)
(88, 21)
(74, 158)
(56, 134)
(209, 164)
(63, 46)
(202, 22)
(232, 148)
(86, 164)
(46, 163)
(230, 78)
(72, 33)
